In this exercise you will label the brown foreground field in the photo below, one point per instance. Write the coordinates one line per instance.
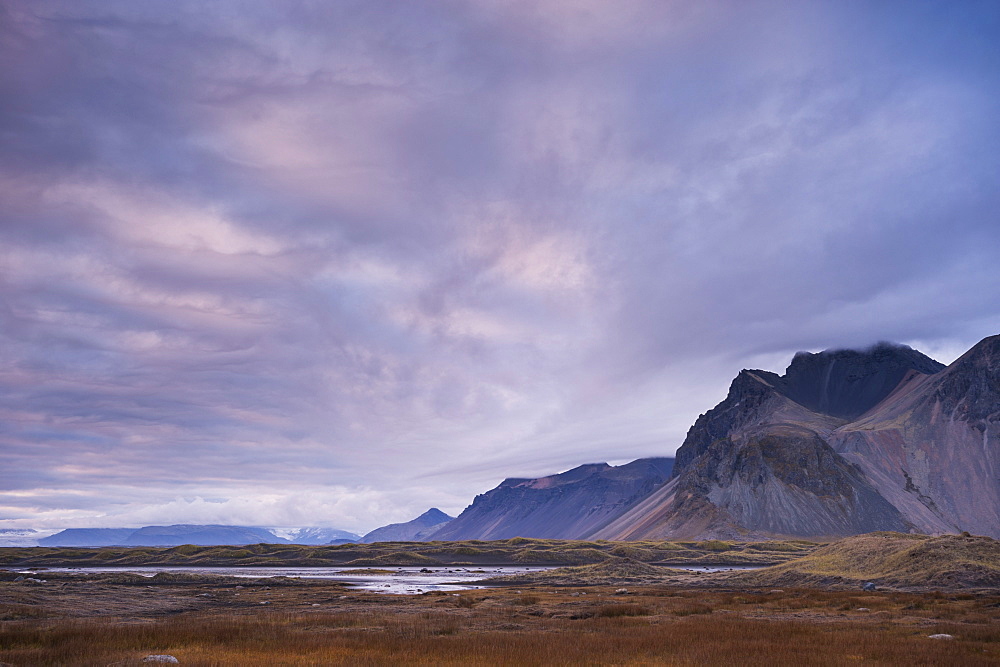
(618, 607)
(104, 620)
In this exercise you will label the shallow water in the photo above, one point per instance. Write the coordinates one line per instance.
(400, 580)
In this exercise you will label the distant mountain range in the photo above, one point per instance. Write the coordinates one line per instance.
(316, 535)
(205, 535)
(845, 442)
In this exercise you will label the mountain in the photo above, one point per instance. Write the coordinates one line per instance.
(933, 446)
(87, 537)
(168, 536)
(844, 442)
(848, 383)
(160, 536)
(316, 535)
(564, 506)
(416, 530)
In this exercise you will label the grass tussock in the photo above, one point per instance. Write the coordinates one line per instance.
(893, 559)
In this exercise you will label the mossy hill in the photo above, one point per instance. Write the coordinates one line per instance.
(515, 551)
(892, 560)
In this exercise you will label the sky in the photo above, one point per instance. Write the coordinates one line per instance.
(333, 263)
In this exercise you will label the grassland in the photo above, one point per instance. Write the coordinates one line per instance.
(85, 621)
(896, 560)
(619, 609)
(515, 551)
(957, 563)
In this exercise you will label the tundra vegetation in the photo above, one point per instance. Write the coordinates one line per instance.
(818, 616)
(515, 551)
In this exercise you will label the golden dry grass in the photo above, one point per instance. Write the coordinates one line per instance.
(537, 626)
(610, 637)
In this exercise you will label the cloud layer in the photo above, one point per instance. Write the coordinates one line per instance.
(335, 263)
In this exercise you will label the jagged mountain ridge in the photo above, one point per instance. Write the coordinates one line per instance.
(763, 464)
(564, 506)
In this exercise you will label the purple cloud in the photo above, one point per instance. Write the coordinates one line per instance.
(341, 262)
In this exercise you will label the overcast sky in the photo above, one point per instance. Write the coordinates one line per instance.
(333, 263)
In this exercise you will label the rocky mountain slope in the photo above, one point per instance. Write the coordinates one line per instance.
(564, 506)
(844, 442)
(933, 446)
(416, 530)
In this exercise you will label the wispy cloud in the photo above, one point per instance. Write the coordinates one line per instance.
(338, 262)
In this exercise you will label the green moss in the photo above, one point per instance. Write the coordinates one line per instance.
(186, 550)
(635, 553)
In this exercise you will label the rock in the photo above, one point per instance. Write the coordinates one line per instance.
(161, 658)
(940, 636)
(869, 586)
(863, 609)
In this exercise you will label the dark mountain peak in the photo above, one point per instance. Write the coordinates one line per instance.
(847, 383)
(414, 530)
(881, 353)
(432, 517)
(838, 384)
(750, 396)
